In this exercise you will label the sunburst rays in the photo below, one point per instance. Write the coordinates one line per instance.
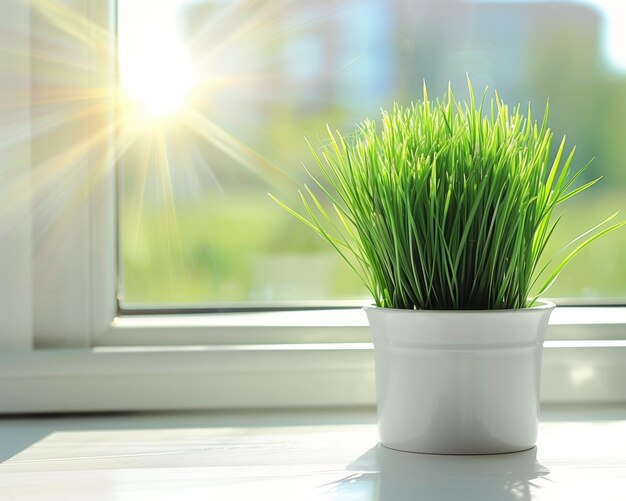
(181, 114)
(84, 119)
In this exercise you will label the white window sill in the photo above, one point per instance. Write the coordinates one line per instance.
(320, 326)
(299, 455)
(275, 360)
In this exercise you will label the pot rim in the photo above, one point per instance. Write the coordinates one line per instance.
(541, 305)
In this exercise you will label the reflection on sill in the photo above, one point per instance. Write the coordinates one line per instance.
(318, 347)
(238, 348)
(386, 474)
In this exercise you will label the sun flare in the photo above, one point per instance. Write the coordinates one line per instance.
(147, 96)
(157, 73)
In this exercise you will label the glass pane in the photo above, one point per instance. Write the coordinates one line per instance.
(222, 94)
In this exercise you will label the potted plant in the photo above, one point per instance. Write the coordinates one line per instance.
(444, 210)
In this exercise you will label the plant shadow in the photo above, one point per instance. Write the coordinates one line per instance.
(385, 474)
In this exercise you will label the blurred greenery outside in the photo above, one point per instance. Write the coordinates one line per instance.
(227, 242)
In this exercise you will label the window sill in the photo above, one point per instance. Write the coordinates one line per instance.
(320, 326)
(262, 376)
(299, 455)
(277, 327)
(275, 360)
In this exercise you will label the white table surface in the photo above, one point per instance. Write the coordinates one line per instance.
(297, 455)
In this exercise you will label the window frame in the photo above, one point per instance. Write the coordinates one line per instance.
(67, 348)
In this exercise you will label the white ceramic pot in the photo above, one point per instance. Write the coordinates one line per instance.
(458, 382)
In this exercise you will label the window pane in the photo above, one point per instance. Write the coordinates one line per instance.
(221, 94)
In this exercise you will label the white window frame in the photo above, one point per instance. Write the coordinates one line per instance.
(63, 348)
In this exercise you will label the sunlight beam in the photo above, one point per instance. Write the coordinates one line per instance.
(157, 72)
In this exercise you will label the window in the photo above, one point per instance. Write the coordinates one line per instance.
(64, 345)
(229, 90)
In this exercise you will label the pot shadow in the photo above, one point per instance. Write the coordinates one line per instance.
(385, 474)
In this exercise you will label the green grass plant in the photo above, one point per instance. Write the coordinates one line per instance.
(447, 205)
